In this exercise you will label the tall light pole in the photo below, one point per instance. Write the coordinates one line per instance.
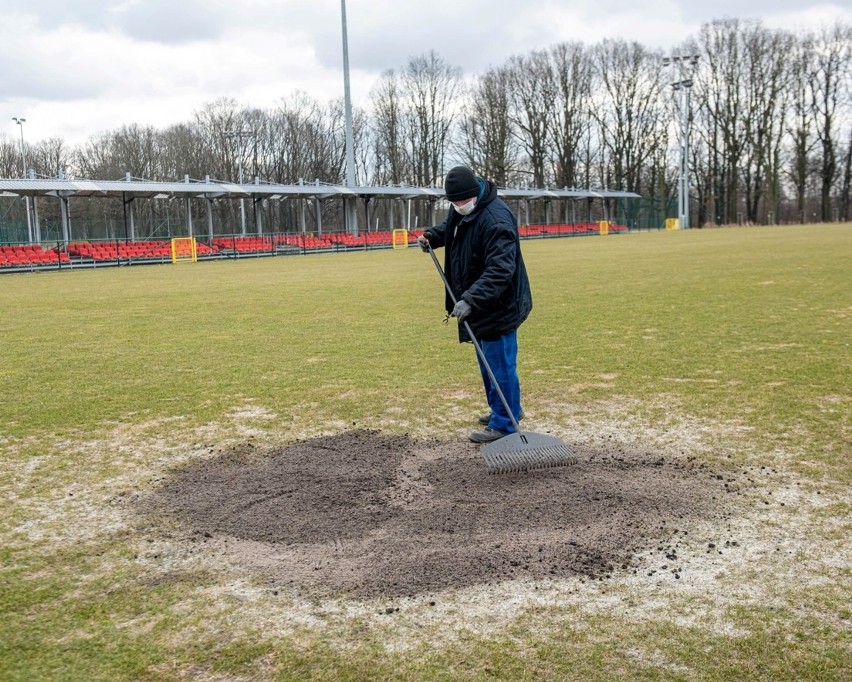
(350, 140)
(240, 134)
(685, 64)
(20, 122)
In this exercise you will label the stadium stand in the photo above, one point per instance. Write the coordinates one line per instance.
(159, 250)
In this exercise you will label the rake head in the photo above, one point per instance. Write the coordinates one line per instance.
(524, 451)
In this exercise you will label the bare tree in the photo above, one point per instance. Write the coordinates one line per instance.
(487, 140)
(847, 180)
(720, 103)
(833, 51)
(531, 97)
(10, 158)
(51, 157)
(305, 148)
(571, 116)
(392, 161)
(431, 87)
(629, 112)
(138, 149)
(183, 151)
(800, 129)
(212, 124)
(763, 116)
(96, 158)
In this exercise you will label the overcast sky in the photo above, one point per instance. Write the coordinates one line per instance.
(77, 68)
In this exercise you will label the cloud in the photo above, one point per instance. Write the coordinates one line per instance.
(116, 62)
(47, 15)
(46, 65)
(159, 21)
(705, 11)
(479, 34)
(168, 21)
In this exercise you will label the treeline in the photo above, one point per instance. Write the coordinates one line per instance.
(771, 127)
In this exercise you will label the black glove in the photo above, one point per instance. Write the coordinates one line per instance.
(423, 241)
(461, 310)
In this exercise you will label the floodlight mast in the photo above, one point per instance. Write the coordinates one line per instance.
(20, 122)
(682, 89)
(349, 212)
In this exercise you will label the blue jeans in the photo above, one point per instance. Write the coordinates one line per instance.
(502, 356)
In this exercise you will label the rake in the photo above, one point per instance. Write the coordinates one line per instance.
(521, 450)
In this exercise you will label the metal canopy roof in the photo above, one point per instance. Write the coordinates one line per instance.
(217, 189)
(114, 188)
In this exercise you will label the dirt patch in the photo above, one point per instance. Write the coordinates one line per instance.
(376, 515)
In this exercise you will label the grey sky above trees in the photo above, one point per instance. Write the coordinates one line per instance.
(77, 69)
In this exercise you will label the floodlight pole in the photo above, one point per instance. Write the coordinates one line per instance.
(20, 122)
(239, 134)
(350, 213)
(682, 89)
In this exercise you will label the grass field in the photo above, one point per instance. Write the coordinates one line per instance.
(728, 345)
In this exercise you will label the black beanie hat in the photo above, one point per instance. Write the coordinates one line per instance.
(461, 183)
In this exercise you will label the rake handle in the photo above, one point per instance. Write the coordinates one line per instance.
(479, 350)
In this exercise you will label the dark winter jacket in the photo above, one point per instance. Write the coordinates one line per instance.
(484, 266)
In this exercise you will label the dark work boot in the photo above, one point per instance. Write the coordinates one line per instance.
(487, 435)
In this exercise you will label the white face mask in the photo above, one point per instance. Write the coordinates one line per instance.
(466, 209)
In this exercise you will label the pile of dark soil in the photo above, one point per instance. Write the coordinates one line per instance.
(372, 515)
